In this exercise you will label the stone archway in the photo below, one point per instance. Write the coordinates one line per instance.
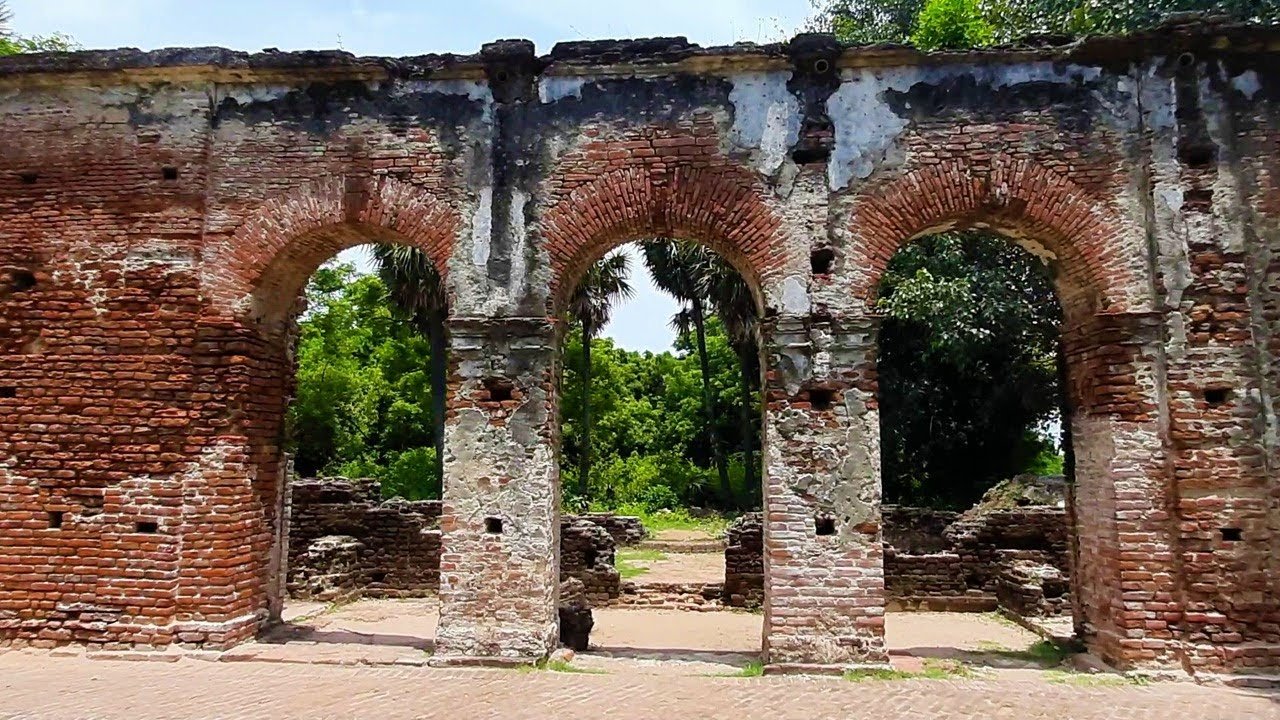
(1113, 356)
(231, 532)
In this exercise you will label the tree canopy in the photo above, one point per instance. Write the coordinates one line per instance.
(951, 23)
(12, 43)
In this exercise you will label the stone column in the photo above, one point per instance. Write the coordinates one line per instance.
(500, 532)
(823, 560)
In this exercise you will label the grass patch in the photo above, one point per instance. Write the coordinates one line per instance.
(755, 668)
(642, 554)
(1043, 653)
(933, 670)
(627, 560)
(678, 519)
(1063, 677)
(559, 666)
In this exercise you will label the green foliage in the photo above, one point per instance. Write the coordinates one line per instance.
(677, 519)
(361, 407)
(950, 25)
(873, 21)
(632, 562)
(13, 44)
(650, 441)
(967, 366)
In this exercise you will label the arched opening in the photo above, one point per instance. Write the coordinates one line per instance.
(974, 450)
(661, 455)
(324, 354)
(1109, 355)
(360, 502)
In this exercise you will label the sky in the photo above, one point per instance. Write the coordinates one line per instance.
(403, 27)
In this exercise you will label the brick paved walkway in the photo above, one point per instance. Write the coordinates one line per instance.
(39, 686)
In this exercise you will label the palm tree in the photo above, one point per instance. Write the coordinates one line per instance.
(415, 287)
(591, 304)
(736, 308)
(684, 270)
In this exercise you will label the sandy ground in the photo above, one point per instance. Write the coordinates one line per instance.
(682, 568)
(644, 640)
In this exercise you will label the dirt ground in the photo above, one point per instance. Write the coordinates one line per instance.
(388, 631)
(681, 568)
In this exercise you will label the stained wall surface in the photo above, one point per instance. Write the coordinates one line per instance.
(160, 213)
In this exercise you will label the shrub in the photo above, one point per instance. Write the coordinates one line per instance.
(951, 25)
(412, 475)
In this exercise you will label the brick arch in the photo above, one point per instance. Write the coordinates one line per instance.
(277, 248)
(721, 207)
(1028, 203)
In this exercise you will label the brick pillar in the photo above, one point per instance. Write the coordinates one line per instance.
(823, 561)
(500, 523)
(1124, 571)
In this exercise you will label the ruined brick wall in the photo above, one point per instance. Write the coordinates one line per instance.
(345, 540)
(960, 566)
(398, 552)
(624, 529)
(915, 530)
(744, 562)
(587, 553)
(160, 212)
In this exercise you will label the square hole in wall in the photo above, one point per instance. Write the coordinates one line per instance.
(147, 527)
(493, 525)
(824, 525)
(169, 173)
(1198, 155)
(822, 261)
(822, 398)
(589, 557)
(7, 391)
(377, 577)
(28, 178)
(1231, 534)
(55, 519)
(21, 281)
(1217, 396)
(499, 389)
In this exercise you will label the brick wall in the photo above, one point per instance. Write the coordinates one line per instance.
(962, 565)
(345, 540)
(160, 212)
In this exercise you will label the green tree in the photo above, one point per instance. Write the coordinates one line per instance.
(951, 24)
(874, 21)
(968, 366)
(684, 270)
(13, 44)
(736, 307)
(591, 305)
(415, 287)
(362, 404)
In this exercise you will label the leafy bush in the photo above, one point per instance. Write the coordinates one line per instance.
(951, 25)
(412, 475)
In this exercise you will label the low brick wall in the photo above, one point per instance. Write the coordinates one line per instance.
(346, 541)
(626, 530)
(972, 562)
(672, 596)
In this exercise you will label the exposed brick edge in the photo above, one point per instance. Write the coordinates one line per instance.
(719, 206)
(1018, 197)
(269, 257)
